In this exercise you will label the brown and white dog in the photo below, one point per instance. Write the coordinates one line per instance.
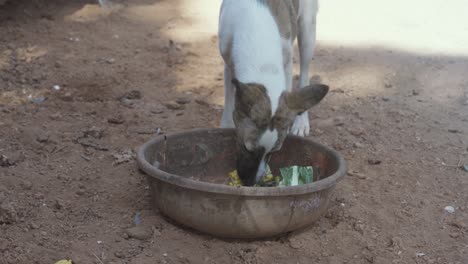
(256, 40)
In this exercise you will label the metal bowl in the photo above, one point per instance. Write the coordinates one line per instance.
(186, 172)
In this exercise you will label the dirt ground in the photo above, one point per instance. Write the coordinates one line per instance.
(82, 87)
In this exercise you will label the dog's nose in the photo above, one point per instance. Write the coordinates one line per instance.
(248, 163)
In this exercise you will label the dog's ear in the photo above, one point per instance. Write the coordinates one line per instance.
(246, 96)
(252, 101)
(305, 98)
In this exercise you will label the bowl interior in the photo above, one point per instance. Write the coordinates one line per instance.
(209, 155)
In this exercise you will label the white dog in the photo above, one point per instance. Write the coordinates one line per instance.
(256, 41)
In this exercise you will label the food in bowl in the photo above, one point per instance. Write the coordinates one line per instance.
(290, 176)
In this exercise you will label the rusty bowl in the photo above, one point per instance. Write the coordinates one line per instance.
(187, 172)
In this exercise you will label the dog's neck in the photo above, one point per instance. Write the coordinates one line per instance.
(256, 47)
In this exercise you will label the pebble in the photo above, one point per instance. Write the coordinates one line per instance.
(356, 131)
(157, 111)
(119, 254)
(63, 177)
(117, 120)
(449, 209)
(39, 195)
(8, 213)
(94, 132)
(387, 84)
(34, 226)
(359, 175)
(183, 100)
(157, 232)
(139, 232)
(358, 145)
(374, 161)
(132, 95)
(335, 121)
(5, 161)
(42, 138)
(148, 130)
(396, 242)
(27, 185)
(37, 100)
(455, 131)
(128, 103)
(296, 243)
(124, 156)
(59, 204)
(137, 219)
(173, 105)
(202, 102)
(338, 90)
(55, 116)
(338, 146)
(60, 215)
(457, 224)
(67, 97)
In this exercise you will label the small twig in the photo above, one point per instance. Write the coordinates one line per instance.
(100, 261)
(90, 144)
(450, 166)
(85, 158)
(58, 149)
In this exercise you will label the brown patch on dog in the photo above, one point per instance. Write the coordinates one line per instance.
(252, 112)
(285, 14)
(252, 101)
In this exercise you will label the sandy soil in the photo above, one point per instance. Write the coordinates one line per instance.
(69, 187)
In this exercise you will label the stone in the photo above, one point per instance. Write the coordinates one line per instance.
(139, 232)
(27, 185)
(183, 100)
(173, 105)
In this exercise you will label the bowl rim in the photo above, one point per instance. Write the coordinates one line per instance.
(208, 187)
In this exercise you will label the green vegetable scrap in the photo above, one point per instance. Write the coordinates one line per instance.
(296, 175)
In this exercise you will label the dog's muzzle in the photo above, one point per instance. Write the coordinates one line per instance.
(248, 165)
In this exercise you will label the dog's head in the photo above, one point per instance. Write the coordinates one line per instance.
(259, 131)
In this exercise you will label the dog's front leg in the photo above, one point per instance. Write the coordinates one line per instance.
(306, 43)
(229, 99)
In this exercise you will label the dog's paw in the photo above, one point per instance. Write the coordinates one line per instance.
(227, 124)
(301, 125)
